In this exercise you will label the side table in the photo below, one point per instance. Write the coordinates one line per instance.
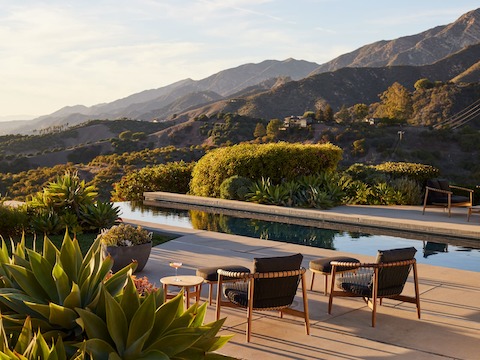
(185, 282)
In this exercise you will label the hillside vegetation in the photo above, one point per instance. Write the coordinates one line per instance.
(401, 131)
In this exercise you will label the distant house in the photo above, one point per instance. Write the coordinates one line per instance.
(296, 121)
(371, 121)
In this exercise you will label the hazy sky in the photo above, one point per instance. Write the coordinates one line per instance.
(55, 53)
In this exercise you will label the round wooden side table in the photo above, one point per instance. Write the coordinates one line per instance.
(185, 282)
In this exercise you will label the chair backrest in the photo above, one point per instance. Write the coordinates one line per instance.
(434, 196)
(276, 292)
(391, 280)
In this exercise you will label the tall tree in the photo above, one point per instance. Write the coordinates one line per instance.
(259, 131)
(273, 128)
(396, 103)
(328, 113)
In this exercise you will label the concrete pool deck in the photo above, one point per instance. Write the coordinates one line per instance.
(450, 299)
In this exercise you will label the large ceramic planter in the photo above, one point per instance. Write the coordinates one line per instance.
(124, 255)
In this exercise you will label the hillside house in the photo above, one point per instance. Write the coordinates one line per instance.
(296, 121)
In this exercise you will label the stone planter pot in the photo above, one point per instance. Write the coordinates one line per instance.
(123, 255)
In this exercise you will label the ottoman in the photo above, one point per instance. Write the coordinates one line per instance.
(324, 267)
(210, 275)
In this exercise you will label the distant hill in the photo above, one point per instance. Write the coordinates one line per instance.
(346, 86)
(163, 102)
(420, 49)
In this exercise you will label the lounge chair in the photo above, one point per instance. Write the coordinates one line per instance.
(272, 286)
(374, 281)
(439, 192)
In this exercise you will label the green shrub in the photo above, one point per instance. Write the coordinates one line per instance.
(276, 161)
(171, 177)
(321, 191)
(12, 220)
(410, 189)
(418, 172)
(235, 188)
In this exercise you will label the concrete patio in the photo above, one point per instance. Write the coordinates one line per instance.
(450, 299)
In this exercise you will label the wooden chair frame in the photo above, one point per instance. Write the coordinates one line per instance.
(250, 278)
(448, 205)
(372, 301)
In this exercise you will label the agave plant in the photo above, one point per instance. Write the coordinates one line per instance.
(100, 215)
(76, 301)
(130, 329)
(48, 286)
(32, 345)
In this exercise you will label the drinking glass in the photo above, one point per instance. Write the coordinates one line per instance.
(176, 265)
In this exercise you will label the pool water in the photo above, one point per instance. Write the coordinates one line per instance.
(429, 251)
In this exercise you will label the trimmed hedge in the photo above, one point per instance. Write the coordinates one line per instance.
(276, 161)
(172, 177)
(392, 170)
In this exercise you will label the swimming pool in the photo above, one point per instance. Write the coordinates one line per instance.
(453, 253)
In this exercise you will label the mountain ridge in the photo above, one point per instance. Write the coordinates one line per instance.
(163, 103)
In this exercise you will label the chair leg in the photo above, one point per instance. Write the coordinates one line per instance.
(250, 308)
(330, 299)
(313, 278)
(374, 296)
(210, 290)
(325, 290)
(219, 296)
(305, 305)
(417, 292)
(425, 202)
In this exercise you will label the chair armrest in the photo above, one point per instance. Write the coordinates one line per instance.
(372, 265)
(438, 190)
(461, 188)
(233, 274)
(258, 275)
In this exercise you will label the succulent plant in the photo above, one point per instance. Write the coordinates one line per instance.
(78, 305)
(50, 285)
(32, 345)
(124, 235)
(131, 329)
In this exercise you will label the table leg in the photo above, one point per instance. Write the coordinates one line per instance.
(165, 292)
(187, 300)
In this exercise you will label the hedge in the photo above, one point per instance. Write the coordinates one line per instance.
(172, 177)
(276, 161)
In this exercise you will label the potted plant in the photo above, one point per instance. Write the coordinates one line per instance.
(126, 243)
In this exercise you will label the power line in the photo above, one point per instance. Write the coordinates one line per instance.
(460, 118)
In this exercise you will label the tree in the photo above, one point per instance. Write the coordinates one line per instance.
(343, 115)
(273, 127)
(360, 111)
(259, 131)
(125, 135)
(396, 103)
(423, 84)
(309, 114)
(328, 113)
(319, 115)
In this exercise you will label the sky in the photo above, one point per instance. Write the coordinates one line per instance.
(56, 53)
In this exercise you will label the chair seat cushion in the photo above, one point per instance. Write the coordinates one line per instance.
(324, 264)
(237, 293)
(359, 284)
(210, 273)
(456, 199)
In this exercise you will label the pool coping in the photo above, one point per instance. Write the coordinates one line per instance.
(407, 221)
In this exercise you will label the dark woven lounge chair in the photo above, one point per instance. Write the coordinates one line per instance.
(385, 278)
(272, 286)
(439, 192)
